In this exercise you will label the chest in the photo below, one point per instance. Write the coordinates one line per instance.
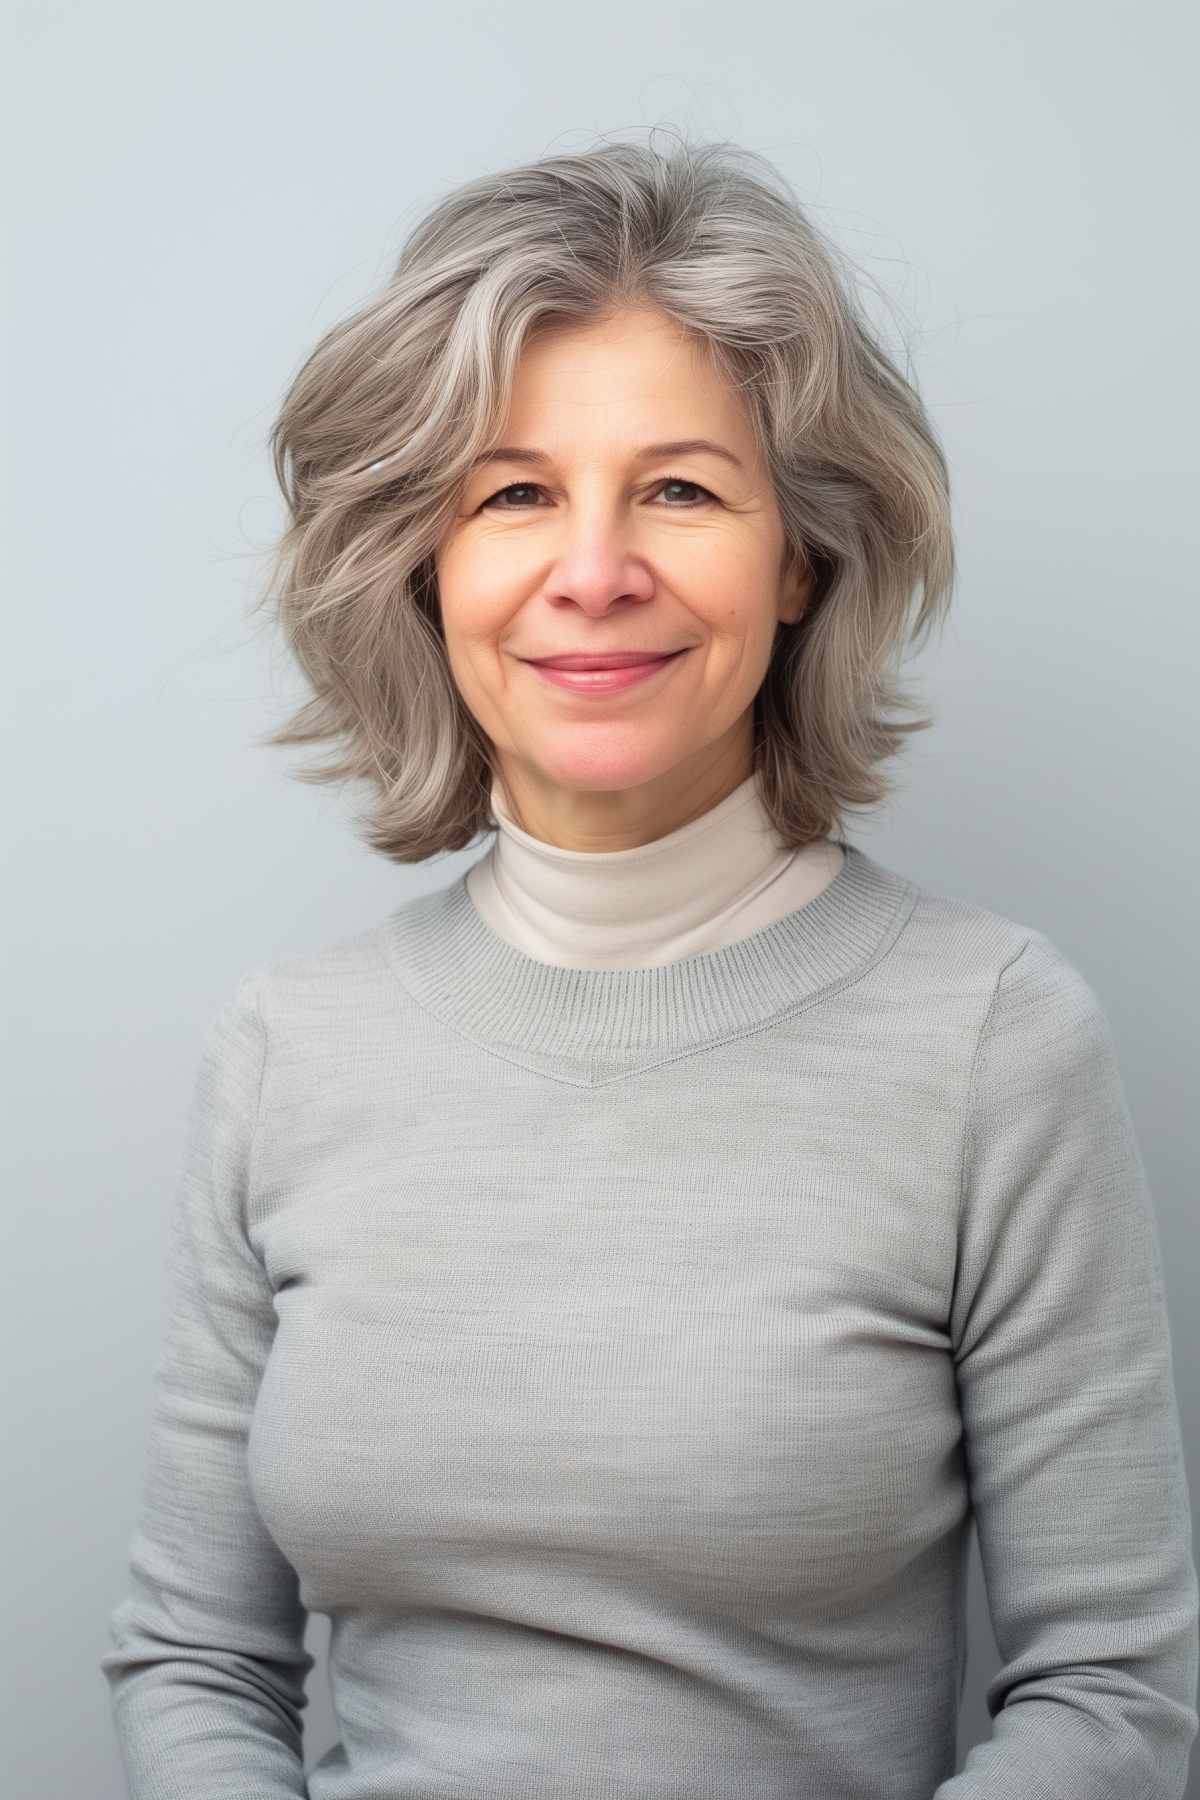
(695, 1318)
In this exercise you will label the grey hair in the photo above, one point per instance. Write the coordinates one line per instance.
(375, 438)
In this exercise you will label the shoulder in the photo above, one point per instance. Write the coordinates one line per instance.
(1041, 1039)
(1017, 968)
(1020, 1008)
(324, 995)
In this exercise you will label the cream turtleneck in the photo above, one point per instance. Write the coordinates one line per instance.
(711, 882)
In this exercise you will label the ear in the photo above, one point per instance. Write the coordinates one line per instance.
(795, 588)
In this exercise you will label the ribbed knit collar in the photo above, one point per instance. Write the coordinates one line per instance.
(588, 1026)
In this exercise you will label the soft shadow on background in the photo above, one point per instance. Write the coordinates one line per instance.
(195, 197)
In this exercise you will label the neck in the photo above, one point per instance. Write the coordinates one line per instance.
(623, 818)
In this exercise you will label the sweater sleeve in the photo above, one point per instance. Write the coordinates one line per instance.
(207, 1667)
(1070, 1423)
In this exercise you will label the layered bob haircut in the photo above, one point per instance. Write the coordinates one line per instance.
(374, 441)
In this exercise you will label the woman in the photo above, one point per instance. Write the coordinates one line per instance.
(609, 1287)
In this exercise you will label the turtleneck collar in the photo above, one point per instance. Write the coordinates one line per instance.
(706, 884)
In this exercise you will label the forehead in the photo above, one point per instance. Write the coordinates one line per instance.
(635, 384)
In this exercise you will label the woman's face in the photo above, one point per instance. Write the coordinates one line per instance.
(600, 545)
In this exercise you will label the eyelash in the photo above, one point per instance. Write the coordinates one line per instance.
(667, 481)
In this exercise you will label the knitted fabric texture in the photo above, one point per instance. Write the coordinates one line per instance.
(619, 1357)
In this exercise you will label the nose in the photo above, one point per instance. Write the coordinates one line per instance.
(596, 559)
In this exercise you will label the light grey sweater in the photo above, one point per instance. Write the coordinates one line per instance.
(617, 1356)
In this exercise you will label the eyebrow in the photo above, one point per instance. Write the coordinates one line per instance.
(677, 447)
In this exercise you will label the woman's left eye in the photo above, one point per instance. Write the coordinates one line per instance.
(675, 481)
(681, 481)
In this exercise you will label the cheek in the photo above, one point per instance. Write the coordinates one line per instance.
(476, 600)
(735, 593)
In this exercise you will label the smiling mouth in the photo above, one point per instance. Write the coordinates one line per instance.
(605, 680)
(613, 659)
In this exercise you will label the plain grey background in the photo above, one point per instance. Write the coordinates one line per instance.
(195, 196)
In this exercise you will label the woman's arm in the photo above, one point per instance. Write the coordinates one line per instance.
(207, 1668)
(1071, 1429)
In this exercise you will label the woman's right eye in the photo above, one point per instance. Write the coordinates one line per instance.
(513, 487)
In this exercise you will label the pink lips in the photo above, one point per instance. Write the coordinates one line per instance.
(603, 681)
